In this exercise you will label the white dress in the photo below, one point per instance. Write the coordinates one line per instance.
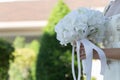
(113, 69)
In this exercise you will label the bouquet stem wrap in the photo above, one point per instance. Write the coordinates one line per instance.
(87, 63)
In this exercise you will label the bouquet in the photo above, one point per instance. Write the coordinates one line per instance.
(84, 26)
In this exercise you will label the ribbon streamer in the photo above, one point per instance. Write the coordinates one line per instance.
(87, 63)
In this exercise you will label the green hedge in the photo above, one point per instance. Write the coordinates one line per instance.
(54, 60)
(6, 50)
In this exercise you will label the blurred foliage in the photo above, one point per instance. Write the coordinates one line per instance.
(92, 78)
(54, 60)
(34, 45)
(24, 59)
(58, 12)
(24, 65)
(6, 56)
(19, 42)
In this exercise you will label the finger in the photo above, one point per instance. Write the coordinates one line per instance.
(81, 46)
(82, 51)
(83, 56)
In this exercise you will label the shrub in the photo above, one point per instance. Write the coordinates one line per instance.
(6, 50)
(54, 60)
(24, 65)
(19, 42)
(21, 68)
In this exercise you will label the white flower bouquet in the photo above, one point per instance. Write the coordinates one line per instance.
(83, 26)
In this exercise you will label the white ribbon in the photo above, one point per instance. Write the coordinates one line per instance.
(87, 63)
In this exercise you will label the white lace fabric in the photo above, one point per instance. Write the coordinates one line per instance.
(113, 41)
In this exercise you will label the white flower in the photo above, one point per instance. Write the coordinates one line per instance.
(80, 24)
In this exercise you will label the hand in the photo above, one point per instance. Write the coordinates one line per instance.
(83, 55)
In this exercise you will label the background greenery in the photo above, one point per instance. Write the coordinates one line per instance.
(24, 65)
(6, 56)
(54, 60)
